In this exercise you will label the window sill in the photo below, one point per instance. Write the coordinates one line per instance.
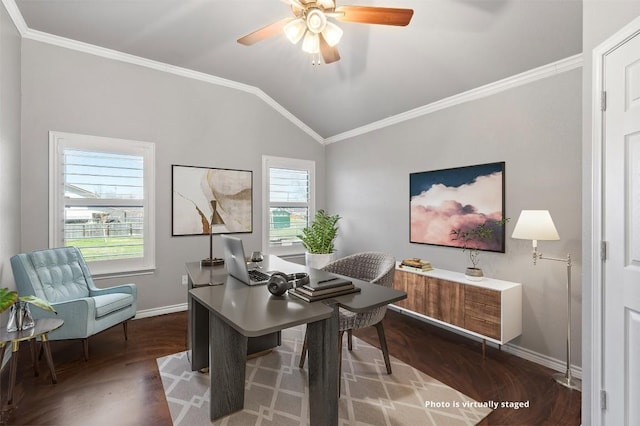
(121, 274)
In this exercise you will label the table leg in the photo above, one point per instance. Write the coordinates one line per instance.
(323, 370)
(198, 334)
(227, 368)
(15, 345)
(47, 355)
(2, 345)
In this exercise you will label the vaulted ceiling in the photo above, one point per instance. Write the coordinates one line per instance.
(449, 47)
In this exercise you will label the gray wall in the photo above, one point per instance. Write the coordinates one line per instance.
(536, 130)
(9, 146)
(191, 123)
(601, 19)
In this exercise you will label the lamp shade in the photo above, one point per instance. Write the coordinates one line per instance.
(332, 34)
(295, 29)
(311, 42)
(535, 225)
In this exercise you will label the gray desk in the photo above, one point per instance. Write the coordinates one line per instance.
(200, 276)
(238, 312)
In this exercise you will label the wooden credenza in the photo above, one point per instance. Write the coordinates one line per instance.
(490, 309)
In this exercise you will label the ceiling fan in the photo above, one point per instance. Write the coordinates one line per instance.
(320, 36)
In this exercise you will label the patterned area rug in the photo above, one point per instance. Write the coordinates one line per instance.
(276, 391)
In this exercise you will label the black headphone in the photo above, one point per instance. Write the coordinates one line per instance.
(279, 282)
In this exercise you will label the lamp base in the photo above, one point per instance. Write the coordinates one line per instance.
(216, 261)
(568, 381)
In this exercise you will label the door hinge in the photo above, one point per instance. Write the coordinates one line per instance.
(603, 250)
(603, 399)
(603, 101)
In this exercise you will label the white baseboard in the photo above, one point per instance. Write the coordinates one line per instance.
(146, 313)
(529, 355)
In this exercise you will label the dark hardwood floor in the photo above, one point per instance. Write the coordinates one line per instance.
(120, 384)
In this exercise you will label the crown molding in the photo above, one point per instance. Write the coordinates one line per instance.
(16, 16)
(521, 79)
(171, 69)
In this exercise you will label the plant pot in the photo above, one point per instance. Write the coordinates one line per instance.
(20, 317)
(474, 274)
(318, 260)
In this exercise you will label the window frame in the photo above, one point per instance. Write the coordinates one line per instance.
(58, 142)
(269, 162)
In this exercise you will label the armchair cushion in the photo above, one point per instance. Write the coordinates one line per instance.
(109, 303)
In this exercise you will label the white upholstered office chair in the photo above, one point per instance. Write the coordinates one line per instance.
(377, 268)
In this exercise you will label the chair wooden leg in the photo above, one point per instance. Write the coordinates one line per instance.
(124, 327)
(303, 355)
(34, 357)
(85, 348)
(383, 346)
(349, 340)
(340, 363)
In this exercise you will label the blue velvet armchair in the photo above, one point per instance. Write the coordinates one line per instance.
(61, 277)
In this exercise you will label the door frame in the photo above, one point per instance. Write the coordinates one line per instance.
(596, 308)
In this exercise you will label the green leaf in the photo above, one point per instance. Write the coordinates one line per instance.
(36, 301)
(7, 298)
(318, 238)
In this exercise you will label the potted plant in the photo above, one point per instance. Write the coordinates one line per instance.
(20, 317)
(319, 238)
(471, 241)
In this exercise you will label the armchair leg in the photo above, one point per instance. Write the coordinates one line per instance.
(85, 348)
(303, 355)
(383, 346)
(124, 327)
(340, 363)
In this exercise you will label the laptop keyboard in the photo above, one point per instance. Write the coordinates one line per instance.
(256, 275)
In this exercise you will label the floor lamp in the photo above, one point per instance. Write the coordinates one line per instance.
(537, 225)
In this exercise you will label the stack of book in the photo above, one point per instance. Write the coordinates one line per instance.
(324, 289)
(416, 264)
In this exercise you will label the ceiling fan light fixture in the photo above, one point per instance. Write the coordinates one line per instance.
(316, 20)
(295, 29)
(311, 43)
(332, 34)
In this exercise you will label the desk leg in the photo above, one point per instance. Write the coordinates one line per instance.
(15, 345)
(198, 325)
(323, 370)
(227, 368)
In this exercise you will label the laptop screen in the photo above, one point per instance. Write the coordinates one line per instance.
(236, 264)
(234, 258)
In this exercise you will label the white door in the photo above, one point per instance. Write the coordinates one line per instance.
(621, 222)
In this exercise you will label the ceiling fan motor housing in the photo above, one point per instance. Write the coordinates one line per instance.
(316, 20)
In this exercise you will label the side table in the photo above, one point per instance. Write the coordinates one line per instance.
(42, 327)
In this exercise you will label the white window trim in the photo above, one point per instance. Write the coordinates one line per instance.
(58, 141)
(285, 163)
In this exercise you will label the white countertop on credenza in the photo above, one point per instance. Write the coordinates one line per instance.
(489, 283)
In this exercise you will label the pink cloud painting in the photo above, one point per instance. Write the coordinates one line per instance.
(460, 198)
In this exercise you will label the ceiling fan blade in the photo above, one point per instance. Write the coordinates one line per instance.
(264, 32)
(375, 15)
(329, 54)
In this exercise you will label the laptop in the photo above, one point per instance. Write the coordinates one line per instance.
(236, 264)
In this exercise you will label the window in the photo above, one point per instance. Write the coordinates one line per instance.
(100, 200)
(289, 198)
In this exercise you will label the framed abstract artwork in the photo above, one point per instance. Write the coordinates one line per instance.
(210, 200)
(459, 198)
